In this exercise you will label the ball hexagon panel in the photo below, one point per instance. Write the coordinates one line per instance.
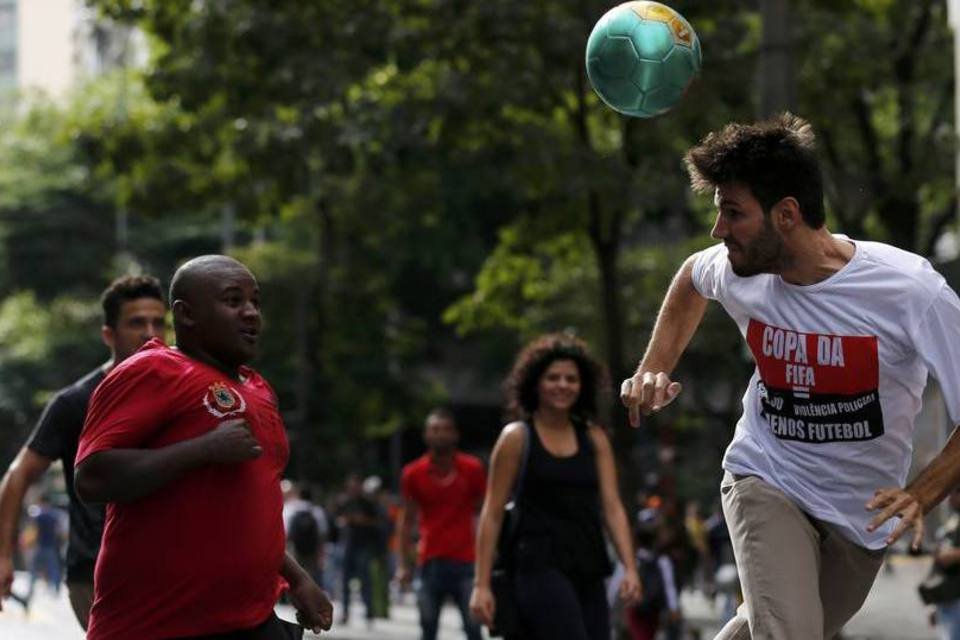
(649, 75)
(679, 67)
(618, 57)
(653, 40)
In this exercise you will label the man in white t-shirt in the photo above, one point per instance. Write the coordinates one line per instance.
(843, 333)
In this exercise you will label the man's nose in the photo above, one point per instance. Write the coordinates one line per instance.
(719, 231)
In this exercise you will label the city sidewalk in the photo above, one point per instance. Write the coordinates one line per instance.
(892, 612)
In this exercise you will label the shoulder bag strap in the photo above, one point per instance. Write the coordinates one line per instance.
(524, 460)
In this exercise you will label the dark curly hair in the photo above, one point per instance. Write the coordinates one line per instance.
(125, 289)
(533, 360)
(774, 158)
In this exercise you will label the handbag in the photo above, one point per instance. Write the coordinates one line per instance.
(942, 584)
(506, 618)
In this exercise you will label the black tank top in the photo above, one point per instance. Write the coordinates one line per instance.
(560, 514)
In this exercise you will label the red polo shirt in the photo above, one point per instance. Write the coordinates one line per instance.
(447, 505)
(201, 555)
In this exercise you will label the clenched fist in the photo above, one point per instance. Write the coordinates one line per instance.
(231, 442)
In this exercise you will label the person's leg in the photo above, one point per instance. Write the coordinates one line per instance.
(53, 568)
(948, 619)
(81, 599)
(777, 550)
(596, 611)
(365, 572)
(847, 572)
(549, 607)
(429, 601)
(349, 569)
(461, 584)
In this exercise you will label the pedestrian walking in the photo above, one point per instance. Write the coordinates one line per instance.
(569, 493)
(442, 491)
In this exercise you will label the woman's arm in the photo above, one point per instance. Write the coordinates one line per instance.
(614, 515)
(504, 467)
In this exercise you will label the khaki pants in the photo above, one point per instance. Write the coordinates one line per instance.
(801, 579)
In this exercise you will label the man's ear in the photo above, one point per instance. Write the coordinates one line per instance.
(108, 335)
(786, 215)
(182, 314)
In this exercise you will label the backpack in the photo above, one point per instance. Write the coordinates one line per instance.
(653, 597)
(304, 533)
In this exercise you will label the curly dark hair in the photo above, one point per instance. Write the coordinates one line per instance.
(775, 158)
(124, 289)
(533, 360)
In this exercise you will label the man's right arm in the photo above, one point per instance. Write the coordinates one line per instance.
(650, 388)
(126, 475)
(25, 469)
(408, 515)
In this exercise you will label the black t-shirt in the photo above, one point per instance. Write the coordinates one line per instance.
(368, 536)
(56, 436)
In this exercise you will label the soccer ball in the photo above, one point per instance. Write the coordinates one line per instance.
(641, 57)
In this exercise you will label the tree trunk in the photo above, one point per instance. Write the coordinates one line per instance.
(775, 70)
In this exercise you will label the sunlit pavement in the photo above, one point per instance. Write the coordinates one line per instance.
(892, 612)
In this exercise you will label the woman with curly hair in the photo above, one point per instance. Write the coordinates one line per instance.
(568, 493)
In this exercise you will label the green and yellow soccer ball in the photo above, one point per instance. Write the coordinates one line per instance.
(641, 57)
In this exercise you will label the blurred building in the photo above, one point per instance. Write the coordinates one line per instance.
(51, 45)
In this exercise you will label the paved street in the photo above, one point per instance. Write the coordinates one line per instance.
(892, 612)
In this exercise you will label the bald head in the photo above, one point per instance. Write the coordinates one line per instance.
(216, 310)
(196, 276)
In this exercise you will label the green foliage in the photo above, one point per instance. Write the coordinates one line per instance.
(421, 184)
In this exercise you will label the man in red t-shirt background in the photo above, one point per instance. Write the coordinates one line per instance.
(186, 446)
(445, 488)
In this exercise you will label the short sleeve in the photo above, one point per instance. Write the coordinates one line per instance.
(128, 407)
(709, 267)
(406, 483)
(938, 343)
(480, 481)
(49, 437)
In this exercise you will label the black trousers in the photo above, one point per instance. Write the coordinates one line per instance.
(272, 629)
(553, 606)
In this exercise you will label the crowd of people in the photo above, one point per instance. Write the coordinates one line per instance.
(174, 456)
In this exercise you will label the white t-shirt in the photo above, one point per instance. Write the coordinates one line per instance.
(841, 365)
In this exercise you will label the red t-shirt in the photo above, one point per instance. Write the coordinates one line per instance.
(447, 505)
(201, 555)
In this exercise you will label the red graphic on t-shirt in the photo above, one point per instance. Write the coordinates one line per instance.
(821, 363)
(817, 387)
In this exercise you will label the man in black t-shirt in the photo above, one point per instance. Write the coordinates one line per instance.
(361, 523)
(134, 311)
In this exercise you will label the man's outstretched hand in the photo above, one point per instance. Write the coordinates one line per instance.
(647, 392)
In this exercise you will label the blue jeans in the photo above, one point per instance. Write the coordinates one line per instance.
(948, 619)
(440, 578)
(47, 562)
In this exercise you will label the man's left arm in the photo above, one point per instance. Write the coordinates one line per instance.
(937, 341)
(314, 609)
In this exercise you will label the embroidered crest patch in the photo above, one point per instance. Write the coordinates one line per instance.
(221, 400)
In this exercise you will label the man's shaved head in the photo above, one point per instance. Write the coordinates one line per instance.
(191, 278)
(216, 311)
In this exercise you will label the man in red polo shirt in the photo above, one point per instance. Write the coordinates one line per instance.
(446, 487)
(186, 447)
